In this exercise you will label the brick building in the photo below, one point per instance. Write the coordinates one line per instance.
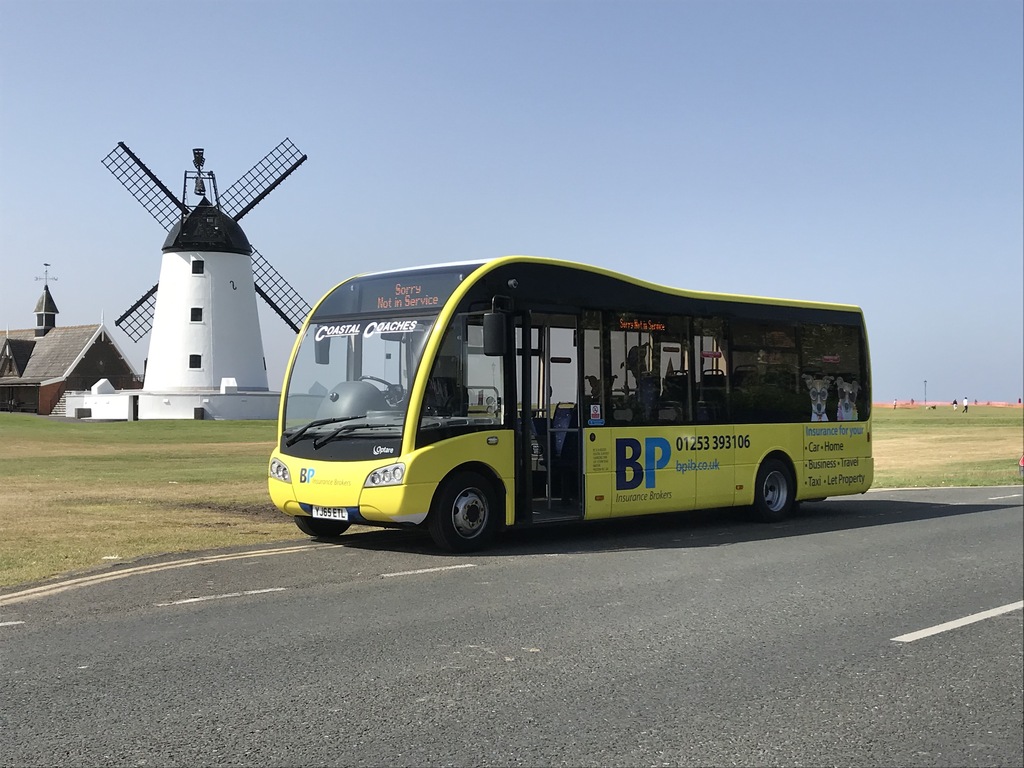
(38, 365)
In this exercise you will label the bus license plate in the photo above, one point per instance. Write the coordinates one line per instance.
(330, 513)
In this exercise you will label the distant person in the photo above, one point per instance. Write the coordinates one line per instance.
(965, 405)
(954, 403)
(894, 403)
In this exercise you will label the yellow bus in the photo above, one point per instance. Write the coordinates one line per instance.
(468, 398)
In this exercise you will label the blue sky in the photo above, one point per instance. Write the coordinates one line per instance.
(851, 151)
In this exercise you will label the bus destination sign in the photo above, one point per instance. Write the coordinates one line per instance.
(414, 291)
(403, 295)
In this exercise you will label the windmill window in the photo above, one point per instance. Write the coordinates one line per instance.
(197, 315)
(195, 361)
(198, 266)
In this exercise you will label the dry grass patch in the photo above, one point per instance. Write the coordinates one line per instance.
(42, 536)
(77, 493)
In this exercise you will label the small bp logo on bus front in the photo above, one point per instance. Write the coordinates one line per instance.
(630, 471)
(306, 475)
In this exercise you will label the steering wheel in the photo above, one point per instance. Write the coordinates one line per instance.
(393, 393)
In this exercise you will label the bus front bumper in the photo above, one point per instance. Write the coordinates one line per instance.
(308, 493)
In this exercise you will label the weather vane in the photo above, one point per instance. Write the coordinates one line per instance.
(46, 275)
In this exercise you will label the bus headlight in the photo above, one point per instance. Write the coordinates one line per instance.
(392, 474)
(279, 471)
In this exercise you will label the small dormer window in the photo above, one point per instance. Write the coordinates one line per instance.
(198, 266)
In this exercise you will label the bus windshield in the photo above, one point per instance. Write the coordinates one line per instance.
(352, 375)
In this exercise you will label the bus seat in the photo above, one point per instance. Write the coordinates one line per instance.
(565, 446)
(622, 414)
(744, 376)
(565, 418)
(675, 387)
(713, 377)
(670, 413)
(647, 394)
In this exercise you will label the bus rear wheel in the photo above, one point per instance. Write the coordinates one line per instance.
(320, 529)
(774, 492)
(465, 513)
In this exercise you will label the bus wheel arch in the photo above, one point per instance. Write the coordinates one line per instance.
(467, 510)
(774, 488)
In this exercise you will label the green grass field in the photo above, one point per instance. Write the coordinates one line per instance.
(78, 495)
(942, 447)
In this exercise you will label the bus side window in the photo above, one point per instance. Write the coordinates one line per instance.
(650, 359)
(445, 394)
(712, 362)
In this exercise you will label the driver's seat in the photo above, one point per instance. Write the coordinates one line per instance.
(445, 394)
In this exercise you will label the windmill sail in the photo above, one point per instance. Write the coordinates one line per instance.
(277, 292)
(260, 180)
(138, 318)
(144, 186)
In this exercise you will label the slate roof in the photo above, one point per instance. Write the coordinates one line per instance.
(51, 357)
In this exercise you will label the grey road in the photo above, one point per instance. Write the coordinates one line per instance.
(685, 640)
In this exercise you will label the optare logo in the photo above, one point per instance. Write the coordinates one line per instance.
(636, 464)
(306, 475)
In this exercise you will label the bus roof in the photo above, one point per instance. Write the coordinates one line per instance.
(689, 293)
(477, 268)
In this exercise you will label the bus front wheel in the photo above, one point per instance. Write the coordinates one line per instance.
(774, 492)
(320, 529)
(465, 513)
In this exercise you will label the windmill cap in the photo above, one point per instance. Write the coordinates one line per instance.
(207, 229)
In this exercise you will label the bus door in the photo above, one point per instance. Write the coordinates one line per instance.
(548, 393)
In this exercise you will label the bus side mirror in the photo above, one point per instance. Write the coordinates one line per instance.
(495, 334)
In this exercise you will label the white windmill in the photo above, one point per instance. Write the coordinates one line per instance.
(203, 313)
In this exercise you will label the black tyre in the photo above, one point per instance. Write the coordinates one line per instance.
(466, 513)
(774, 492)
(320, 529)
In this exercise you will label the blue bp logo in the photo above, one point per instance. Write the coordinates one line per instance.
(306, 475)
(636, 463)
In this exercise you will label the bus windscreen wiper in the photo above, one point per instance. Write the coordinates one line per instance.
(320, 442)
(296, 436)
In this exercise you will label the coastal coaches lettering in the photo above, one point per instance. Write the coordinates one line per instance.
(369, 329)
(473, 397)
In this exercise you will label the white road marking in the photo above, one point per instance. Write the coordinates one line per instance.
(912, 636)
(10, 623)
(221, 597)
(122, 573)
(427, 570)
(1000, 498)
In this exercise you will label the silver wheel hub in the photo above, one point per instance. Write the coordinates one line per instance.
(469, 513)
(775, 491)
